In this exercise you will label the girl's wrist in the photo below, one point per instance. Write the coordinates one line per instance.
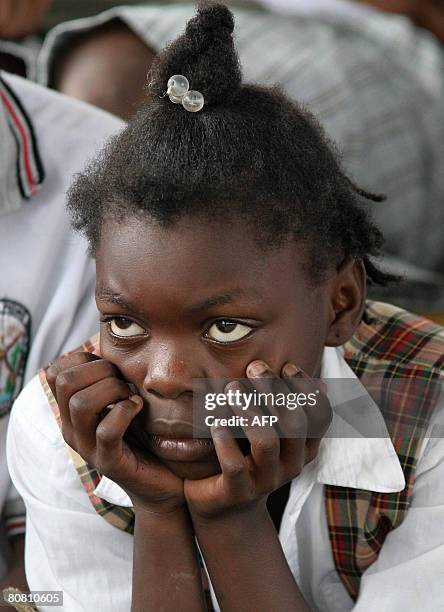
(236, 522)
(174, 523)
(159, 512)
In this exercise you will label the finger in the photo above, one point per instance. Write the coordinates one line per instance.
(110, 432)
(282, 459)
(263, 379)
(64, 363)
(233, 464)
(293, 455)
(266, 383)
(311, 449)
(296, 453)
(64, 382)
(52, 372)
(87, 406)
(314, 415)
(73, 379)
(262, 436)
(273, 391)
(312, 399)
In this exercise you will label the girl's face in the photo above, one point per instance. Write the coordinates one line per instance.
(201, 300)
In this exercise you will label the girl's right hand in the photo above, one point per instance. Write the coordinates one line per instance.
(85, 386)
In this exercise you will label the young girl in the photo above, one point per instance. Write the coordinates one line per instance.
(230, 244)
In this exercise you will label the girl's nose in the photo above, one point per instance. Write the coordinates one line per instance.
(168, 374)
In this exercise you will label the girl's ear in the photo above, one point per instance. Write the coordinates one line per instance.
(348, 290)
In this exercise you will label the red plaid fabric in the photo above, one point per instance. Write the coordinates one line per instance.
(122, 518)
(399, 358)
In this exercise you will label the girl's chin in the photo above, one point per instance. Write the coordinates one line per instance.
(194, 470)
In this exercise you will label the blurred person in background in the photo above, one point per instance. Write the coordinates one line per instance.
(24, 22)
(376, 83)
(47, 281)
(427, 14)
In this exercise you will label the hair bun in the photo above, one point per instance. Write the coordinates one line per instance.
(210, 18)
(205, 55)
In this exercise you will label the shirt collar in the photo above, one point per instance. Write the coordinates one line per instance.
(347, 457)
(21, 170)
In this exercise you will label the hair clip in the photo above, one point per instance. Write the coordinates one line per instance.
(179, 92)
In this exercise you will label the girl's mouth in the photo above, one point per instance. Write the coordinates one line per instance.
(170, 448)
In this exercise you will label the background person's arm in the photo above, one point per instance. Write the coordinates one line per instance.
(13, 517)
(21, 17)
(16, 571)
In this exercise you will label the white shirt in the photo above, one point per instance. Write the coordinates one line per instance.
(70, 547)
(46, 272)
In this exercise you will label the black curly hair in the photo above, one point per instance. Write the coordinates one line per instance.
(250, 152)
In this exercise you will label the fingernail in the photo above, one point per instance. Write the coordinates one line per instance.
(235, 385)
(136, 399)
(258, 368)
(219, 431)
(291, 370)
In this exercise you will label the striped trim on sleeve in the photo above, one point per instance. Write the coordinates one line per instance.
(14, 517)
(30, 173)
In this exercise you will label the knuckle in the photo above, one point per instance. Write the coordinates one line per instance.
(76, 403)
(63, 381)
(234, 468)
(51, 374)
(126, 408)
(267, 447)
(299, 422)
(109, 368)
(105, 436)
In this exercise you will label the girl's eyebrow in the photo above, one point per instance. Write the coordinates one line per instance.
(226, 298)
(110, 297)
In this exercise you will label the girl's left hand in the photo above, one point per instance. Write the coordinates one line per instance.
(278, 453)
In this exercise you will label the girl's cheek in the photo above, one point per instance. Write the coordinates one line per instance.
(129, 365)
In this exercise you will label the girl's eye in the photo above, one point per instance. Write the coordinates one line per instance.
(228, 331)
(125, 328)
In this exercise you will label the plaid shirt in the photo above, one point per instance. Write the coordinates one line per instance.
(391, 345)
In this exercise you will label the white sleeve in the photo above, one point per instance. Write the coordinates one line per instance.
(12, 494)
(69, 546)
(408, 574)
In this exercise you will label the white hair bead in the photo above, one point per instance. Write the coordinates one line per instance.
(175, 99)
(179, 93)
(193, 101)
(178, 86)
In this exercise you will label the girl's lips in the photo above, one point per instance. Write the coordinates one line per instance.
(180, 449)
